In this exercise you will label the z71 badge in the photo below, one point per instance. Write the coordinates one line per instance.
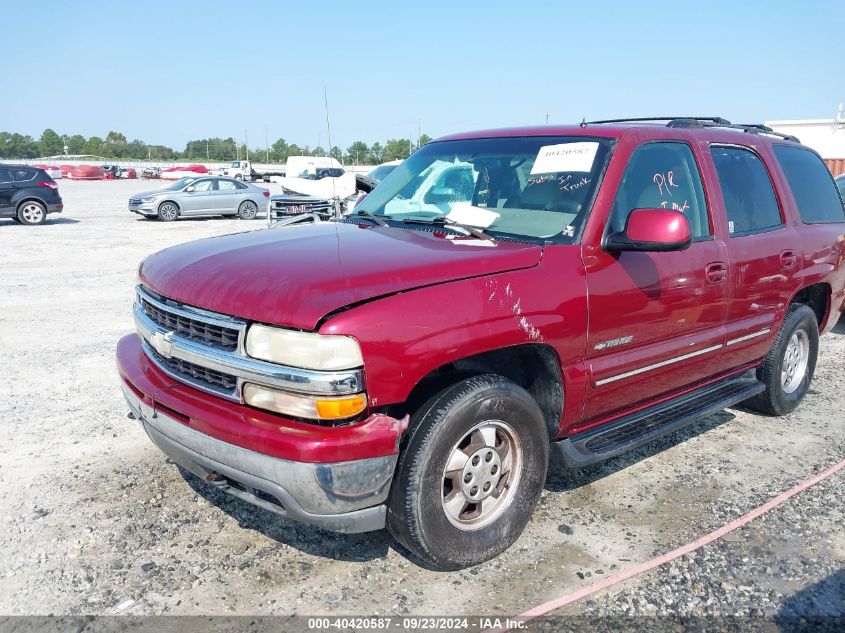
(614, 342)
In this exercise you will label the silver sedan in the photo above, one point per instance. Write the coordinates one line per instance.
(201, 196)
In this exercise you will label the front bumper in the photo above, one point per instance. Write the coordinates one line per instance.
(327, 495)
(337, 478)
(145, 208)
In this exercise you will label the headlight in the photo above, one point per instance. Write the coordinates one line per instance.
(303, 349)
(148, 200)
(300, 406)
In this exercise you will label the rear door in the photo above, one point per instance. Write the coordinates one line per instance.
(655, 319)
(7, 189)
(764, 253)
(227, 196)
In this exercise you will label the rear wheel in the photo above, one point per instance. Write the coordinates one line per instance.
(168, 211)
(248, 210)
(789, 367)
(471, 473)
(32, 212)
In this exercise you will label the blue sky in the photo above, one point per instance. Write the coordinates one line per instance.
(167, 72)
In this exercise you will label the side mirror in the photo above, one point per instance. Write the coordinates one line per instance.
(652, 230)
(190, 188)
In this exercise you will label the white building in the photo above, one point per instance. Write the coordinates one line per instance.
(826, 136)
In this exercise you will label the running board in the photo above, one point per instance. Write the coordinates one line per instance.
(614, 438)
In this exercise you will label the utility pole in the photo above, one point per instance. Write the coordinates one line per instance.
(266, 143)
(206, 149)
(419, 136)
(547, 118)
(246, 144)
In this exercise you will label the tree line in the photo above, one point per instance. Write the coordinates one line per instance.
(115, 145)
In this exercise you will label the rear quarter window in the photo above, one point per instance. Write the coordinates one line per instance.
(5, 175)
(811, 183)
(22, 174)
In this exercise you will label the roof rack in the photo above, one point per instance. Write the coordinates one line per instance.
(703, 121)
(712, 119)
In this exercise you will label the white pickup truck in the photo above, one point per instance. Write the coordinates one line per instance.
(248, 171)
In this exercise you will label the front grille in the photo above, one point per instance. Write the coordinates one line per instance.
(295, 206)
(212, 335)
(135, 201)
(216, 380)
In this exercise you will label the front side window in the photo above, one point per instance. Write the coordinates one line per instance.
(226, 185)
(203, 185)
(811, 184)
(750, 201)
(531, 188)
(662, 175)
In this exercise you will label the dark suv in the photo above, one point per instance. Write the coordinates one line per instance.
(27, 194)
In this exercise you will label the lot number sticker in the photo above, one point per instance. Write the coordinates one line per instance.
(565, 157)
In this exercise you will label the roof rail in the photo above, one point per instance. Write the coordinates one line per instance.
(712, 119)
(702, 121)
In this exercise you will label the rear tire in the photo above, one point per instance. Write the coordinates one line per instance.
(168, 211)
(248, 210)
(789, 366)
(471, 474)
(32, 213)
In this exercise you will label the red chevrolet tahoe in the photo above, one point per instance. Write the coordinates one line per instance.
(502, 294)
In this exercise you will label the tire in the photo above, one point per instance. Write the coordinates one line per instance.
(168, 211)
(238, 177)
(789, 366)
(31, 213)
(431, 512)
(248, 210)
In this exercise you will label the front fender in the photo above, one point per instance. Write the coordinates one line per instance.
(406, 336)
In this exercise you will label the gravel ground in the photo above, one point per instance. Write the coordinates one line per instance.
(95, 519)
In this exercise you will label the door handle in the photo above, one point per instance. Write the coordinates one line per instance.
(788, 259)
(716, 272)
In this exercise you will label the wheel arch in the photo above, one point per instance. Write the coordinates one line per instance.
(29, 198)
(533, 366)
(158, 206)
(817, 297)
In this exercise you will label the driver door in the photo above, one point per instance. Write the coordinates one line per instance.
(656, 319)
(200, 200)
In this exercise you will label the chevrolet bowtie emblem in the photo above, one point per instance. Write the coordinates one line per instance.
(162, 343)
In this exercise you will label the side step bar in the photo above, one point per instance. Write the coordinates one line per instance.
(614, 438)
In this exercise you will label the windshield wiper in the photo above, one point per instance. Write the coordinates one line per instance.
(372, 218)
(442, 220)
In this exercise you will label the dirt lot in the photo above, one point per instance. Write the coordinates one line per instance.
(95, 520)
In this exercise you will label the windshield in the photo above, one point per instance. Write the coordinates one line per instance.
(236, 163)
(176, 185)
(380, 172)
(536, 188)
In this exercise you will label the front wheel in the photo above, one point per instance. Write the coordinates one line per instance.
(168, 211)
(248, 210)
(789, 367)
(471, 473)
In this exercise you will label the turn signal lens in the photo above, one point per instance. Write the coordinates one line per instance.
(301, 406)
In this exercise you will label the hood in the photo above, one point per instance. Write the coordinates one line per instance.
(149, 194)
(294, 276)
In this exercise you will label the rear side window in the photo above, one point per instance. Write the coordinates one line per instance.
(21, 174)
(225, 185)
(750, 201)
(5, 175)
(811, 183)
